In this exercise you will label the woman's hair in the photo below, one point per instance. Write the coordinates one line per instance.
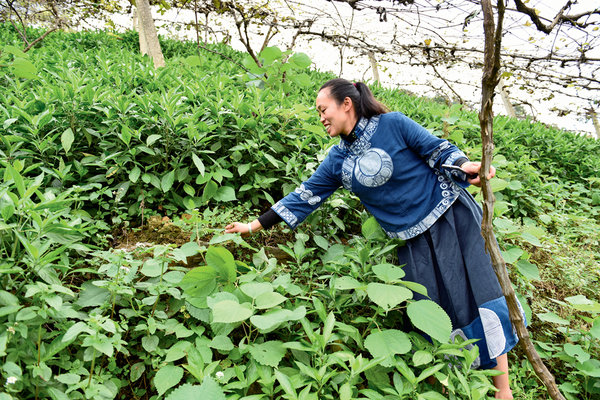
(362, 98)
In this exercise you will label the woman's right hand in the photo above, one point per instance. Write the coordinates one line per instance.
(237, 227)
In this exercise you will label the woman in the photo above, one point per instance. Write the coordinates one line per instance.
(414, 184)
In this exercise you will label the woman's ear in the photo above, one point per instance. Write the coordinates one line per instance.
(347, 104)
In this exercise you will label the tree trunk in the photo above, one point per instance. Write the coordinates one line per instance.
(374, 66)
(594, 116)
(510, 111)
(148, 38)
(493, 38)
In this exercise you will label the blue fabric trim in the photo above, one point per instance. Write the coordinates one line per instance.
(450, 192)
(285, 214)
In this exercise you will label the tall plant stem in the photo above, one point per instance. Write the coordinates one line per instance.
(493, 38)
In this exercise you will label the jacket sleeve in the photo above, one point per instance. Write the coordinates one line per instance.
(297, 205)
(435, 151)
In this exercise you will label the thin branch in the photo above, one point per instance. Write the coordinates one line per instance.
(36, 41)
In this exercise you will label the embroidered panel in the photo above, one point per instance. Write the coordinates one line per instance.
(373, 168)
(450, 191)
(285, 214)
(436, 153)
(307, 195)
(347, 171)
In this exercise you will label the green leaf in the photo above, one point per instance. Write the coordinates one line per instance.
(528, 270)
(222, 342)
(150, 343)
(68, 379)
(134, 174)
(153, 267)
(67, 138)
(274, 318)
(346, 283)
(595, 330)
(576, 351)
(388, 273)
(177, 351)
(268, 353)
(229, 312)
(387, 343)
(270, 54)
(269, 300)
(92, 296)
(255, 289)
(222, 261)
(193, 61)
(167, 377)
(23, 68)
(166, 181)
(210, 189)
(512, 255)
(431, 319)
(150, 140)
(387, 296)
(74, 331)
(300, 60)
(224, 194)
(137, 370)
(199, 164)
(553, 318)
(422, 357)
(200, 282)
(371, 229)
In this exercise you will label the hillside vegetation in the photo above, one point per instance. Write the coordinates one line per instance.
(118, 282)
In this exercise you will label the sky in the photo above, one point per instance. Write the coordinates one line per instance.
(437, 28)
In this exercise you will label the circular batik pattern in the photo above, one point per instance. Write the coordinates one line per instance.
(373, 168)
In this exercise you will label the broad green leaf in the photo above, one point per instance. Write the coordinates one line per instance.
(553, 318)
(286, 384)
(270, 54)
(224, 194)
(575, 350)
(387, 296)
(229, 312)
(193, 61)
(269, 353)
(347, 283)
(177, 351)
(371, 229)
(274, 318)
(199, 164)
(590, 368)
(92, 296)
(512, 255)
(74, 331)
(136, 371)
(431, 319)
(23, 68)
(209, 190)
(134, 174)
(67, 138)
(255, 289)
(595, 329)
(388, 273)
(301, 60)
(386, 344)
(222, 261)
(200, 282)
(528, 237)
(68, 379)
(153, 267)
(422, 357)
(166, 181)
(269, 300)
(167, 377)
(221, 342)
(528, 270)
(150, 140)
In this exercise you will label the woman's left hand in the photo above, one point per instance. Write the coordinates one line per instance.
(473, 168)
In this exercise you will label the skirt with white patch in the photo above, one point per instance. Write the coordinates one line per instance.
(451, 262)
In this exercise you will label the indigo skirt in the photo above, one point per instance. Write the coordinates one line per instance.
(451, 262)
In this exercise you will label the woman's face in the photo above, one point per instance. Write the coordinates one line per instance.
(336, 118)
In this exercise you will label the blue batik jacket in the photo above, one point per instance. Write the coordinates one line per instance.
(394, 167)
